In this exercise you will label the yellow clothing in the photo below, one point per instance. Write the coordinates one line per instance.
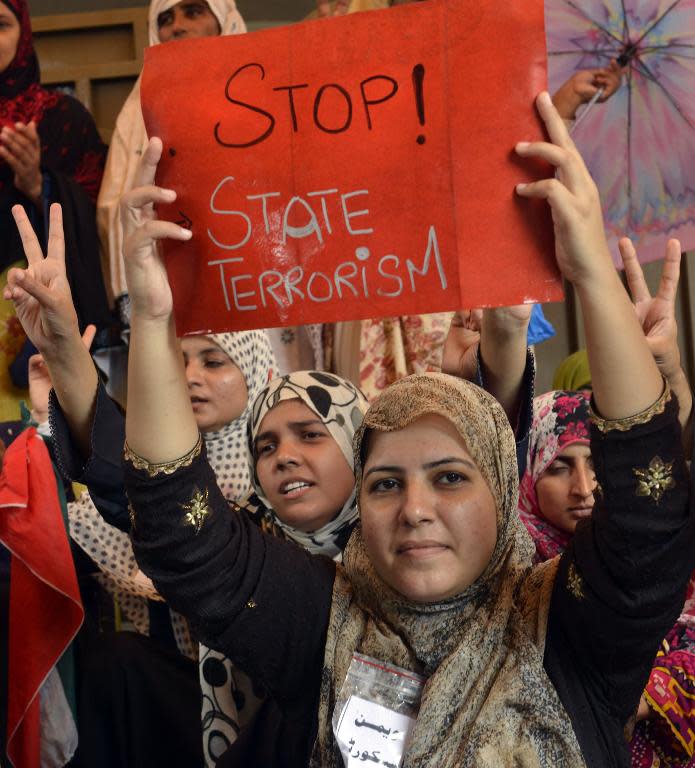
(12, 338)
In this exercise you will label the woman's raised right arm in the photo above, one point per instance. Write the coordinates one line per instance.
(160, 425)
(625, 378)
(43, 302)
(261, 601)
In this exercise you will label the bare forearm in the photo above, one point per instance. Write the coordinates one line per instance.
(503, 357)
(160, 425)
(75, 383)
(625, 378)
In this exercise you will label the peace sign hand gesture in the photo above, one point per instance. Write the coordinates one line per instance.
(656, 314)
(41, 292)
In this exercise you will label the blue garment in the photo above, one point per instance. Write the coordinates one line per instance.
(539, 329)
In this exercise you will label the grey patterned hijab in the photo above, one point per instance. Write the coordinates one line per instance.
(488, 701)
(340, 406)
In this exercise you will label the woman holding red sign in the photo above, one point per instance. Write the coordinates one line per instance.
(433, 577)
(527, 666)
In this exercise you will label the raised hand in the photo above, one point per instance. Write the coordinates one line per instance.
(20, 148)
(609, 79)
(584, 85)
(625, 377)
(42, 300)
(156, 378)
(580, 241)
(148, 284)
(501, 334)
(656, 314)
(41, 292)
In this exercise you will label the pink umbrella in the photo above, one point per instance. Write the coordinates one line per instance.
(639, 145)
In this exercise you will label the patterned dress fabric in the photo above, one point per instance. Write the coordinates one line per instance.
(667, 736)
(394, 347)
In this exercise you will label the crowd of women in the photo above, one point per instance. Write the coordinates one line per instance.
(452, 572)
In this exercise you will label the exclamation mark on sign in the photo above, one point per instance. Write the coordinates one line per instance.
(418, 80)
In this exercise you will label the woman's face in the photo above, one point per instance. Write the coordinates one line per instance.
(189, 18)
(9, 36)
(300, 467)
(428, 517)
(216, 386)
(565, 491)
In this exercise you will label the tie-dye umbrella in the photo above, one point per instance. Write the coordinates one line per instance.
(640, 144)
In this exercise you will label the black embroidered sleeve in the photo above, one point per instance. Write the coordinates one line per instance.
(261, 601)
(620, 585)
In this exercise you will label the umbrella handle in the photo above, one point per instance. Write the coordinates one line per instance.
(586, 109)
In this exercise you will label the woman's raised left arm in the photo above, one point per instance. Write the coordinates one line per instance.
(621, 582)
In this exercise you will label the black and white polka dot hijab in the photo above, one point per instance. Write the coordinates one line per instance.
(250, 351)
(340, 406)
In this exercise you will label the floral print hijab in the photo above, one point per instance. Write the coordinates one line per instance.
(560, 419)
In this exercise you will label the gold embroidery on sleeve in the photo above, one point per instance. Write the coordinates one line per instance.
(656, 479)
(624, 425)
(251, 603)
(131, 515)
(575, 583)
(167, 467)
(197, 510)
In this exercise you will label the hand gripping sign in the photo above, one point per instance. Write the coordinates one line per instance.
(353, 167)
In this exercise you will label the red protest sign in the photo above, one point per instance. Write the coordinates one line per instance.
(354, 167)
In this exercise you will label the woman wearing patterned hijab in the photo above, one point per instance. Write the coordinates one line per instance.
(435, 460)
(339, 406)
(224, 372)
(556, 490)
(529, 666)
(230, 704)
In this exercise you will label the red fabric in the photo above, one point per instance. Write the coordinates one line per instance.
(45, 607)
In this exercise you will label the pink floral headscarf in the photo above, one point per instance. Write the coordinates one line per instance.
(560, 418)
